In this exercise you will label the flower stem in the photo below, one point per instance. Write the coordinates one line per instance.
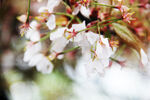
(77, 19)
(46, 37)
(113, 59)
(65, 14)
(70, 22)
(113, 20)
(28, 13)
(65, 4)
(69, 50)
(87, 29)
(105, 5)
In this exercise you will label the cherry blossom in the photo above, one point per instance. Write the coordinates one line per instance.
(60, 38)
(93, 34)
(33, 32)
(44, 65)
(82, 6)
(34, 57)
(31, 50)
(47, 11)
(84, 11)
(103, 49)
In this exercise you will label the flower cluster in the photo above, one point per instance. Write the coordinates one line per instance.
(88, 28)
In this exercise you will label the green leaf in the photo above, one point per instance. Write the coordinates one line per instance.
(127, 36)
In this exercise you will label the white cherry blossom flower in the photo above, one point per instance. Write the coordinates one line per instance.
(60, 38)
(84, 10)
(92, 37)
(74, 35)
(93, 65)
(101, 53)
(44, 65)
(34, 57)
(33, 33)
(79, 27)
(22, 18)
(51, 24)
(103, 49)
(51, 21)
(96, 65)
(57, 34)
(52, 4)
(31, 51)
(59, 42)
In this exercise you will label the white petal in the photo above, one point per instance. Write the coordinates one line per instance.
(59, 44)
(31, 51)
(22, 18)
(96, 65)
(57, 34)
(28, 34)
(105, 62)
(85, 11)
(78, 37)
(103, 51)
(76, 10)
(105, 41)
(42, 9)
(34, 24)
(35, 59)
(81, 39)
(60, 57)
(33, 34)
(92, 37)
(78, 27)
(44, 66)
(144, 58)
(52, 4)
(84, 45)
(51, 23)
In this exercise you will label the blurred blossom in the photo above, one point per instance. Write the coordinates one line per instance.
(20, 63)
(116, 84)
(39, 0)
(24, 91)
(8, 60)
